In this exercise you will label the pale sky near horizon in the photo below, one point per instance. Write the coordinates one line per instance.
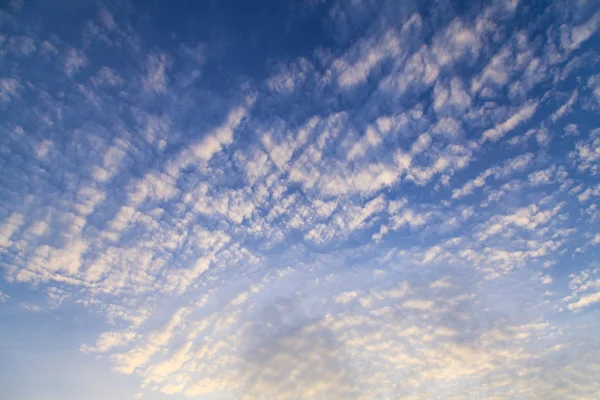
(322, 200)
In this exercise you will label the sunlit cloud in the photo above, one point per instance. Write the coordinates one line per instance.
(317, 200)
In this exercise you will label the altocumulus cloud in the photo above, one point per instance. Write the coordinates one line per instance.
(307, 200)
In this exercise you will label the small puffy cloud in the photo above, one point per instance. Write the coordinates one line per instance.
(421, 144)
(586, 155)
(507, 168)
(565, 108)
(138, 356)
(108, 341)
(74, 60)
(442, 283)
(346, 297)
(585, 290)
(541, 177)
(156, 67)
(107, 19)
(518, 118)
(22, 46)
(9, 89)
(9, 227)
(355, 66)
(572, 37)
(288, 77)
(107, 76)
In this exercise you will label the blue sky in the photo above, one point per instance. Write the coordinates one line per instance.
(299, 200)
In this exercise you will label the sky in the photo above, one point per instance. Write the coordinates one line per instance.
(358, 200)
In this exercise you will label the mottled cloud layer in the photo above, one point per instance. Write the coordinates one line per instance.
(408, 209)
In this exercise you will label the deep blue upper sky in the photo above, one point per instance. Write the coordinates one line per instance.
(299, 200)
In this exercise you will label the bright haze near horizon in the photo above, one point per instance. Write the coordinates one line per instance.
(292, 200)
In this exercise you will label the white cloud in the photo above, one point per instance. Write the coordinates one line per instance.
(21, 46)
(421, 305)
(521, 116)
(153, 185)
(572, 37)
(107, 76)
(108, 341)
(454, 97)
(9, 228)
(75, 60)
(585, 290)
(456, 42)
(47, 49)
(420, 69)
(584, 301)
(154, 341)
(509, 167)
(371, 139)
(355, 67)
(288, 77)
(565, 108)
(421, 144)
(571, 130)
(586, 155)
(160, 372)
(212, 143)
(106, 18)
(496, 73)
(9, 89)
(529, 218)
(542, 177)
(442, 283)
(156, 68)
(346, 297)
(409, 217)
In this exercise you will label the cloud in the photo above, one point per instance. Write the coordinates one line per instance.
(440, 284)
(565, 108)
(572, 37)
(526, 217)
(586, 154)
(521, 116)
(107, 76)
(74, 61)
(421, 144)
(337, 218)
(212, 143)
(108, 341)
(9, 227)
(452, 98)
(156, 68)
(542, 177)
(9, 89)
(22, 46)
(585, 289)
(107, 19)
(288, 78)
(509, 167)
(154, 341)
(354, 69)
